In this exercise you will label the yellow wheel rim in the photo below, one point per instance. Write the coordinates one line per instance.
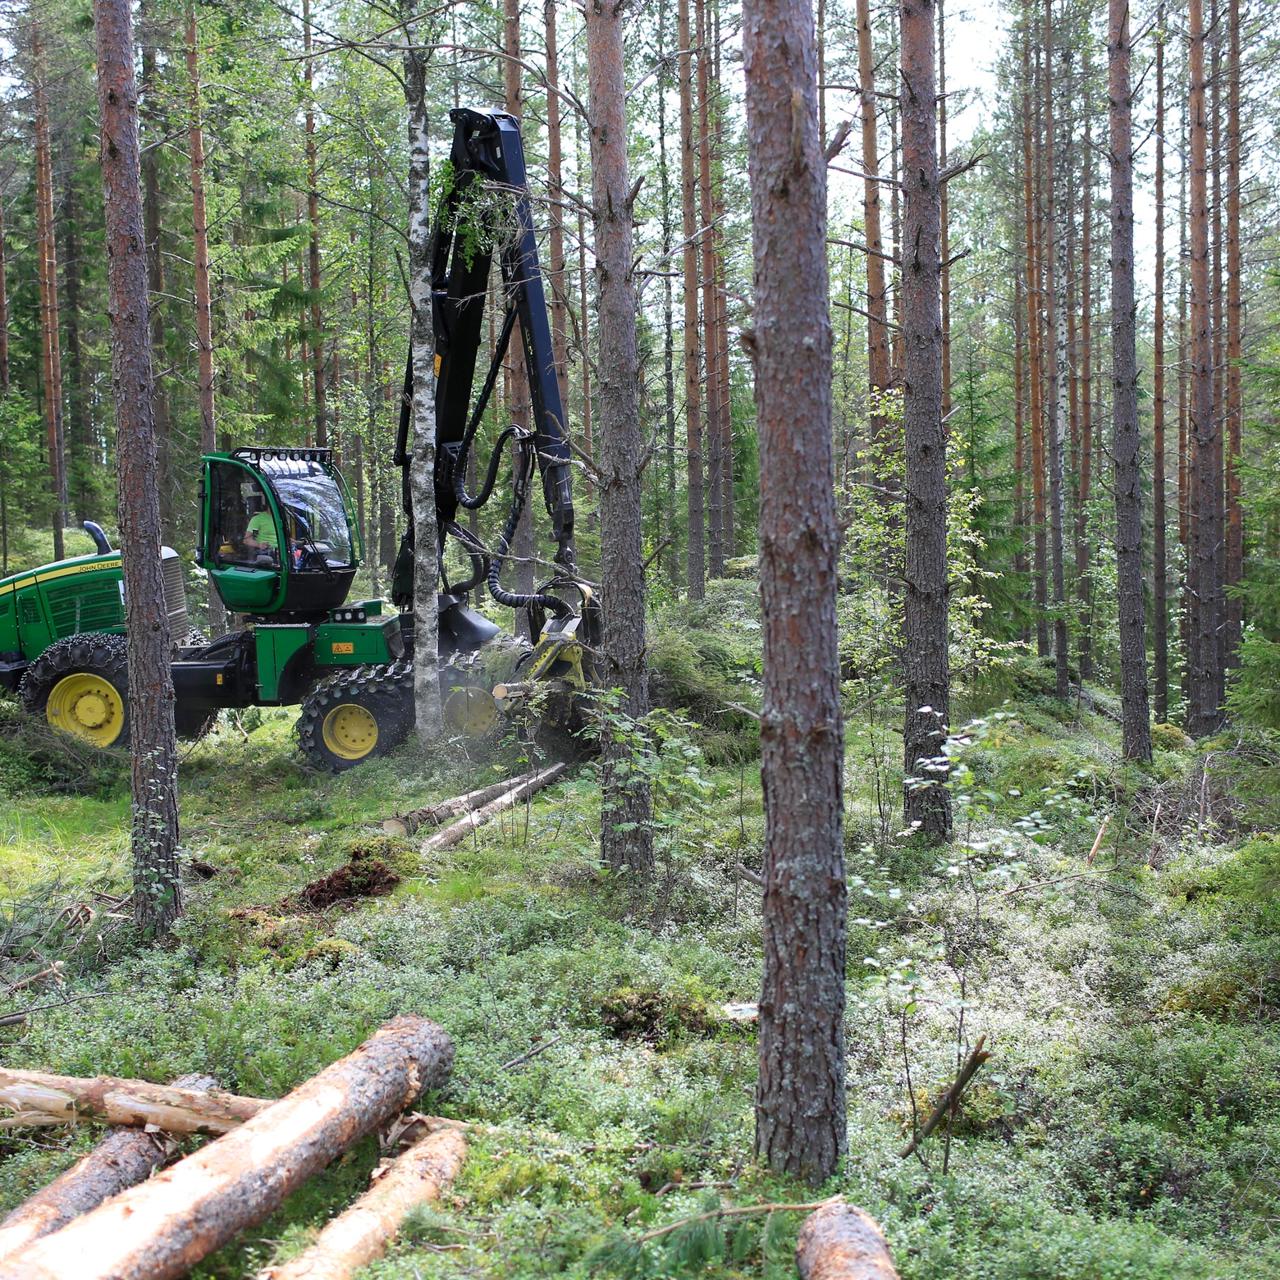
(88, 706)
(470, 710)
(350, 731)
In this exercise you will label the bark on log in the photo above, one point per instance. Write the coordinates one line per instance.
(159, 1230)
(38, 1097)
(362, 1233)
(407, 824)
(841, 1242)
(452, 835)
(122, 1159)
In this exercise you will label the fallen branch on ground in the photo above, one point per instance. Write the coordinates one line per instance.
(728, 1211)
(1097, 843)
(37, 1097)
(122, 1159)
(362, 1232)
(161, 1229)
(949, 1100)
(406, 824)
(452, 835)
(841, 1242)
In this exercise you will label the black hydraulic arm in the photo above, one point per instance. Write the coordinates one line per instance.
(468, 234)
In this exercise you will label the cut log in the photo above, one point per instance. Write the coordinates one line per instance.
(407, 824)
(841, 1242)
(459, 830)
(38, 1097)
(161, 1229)
(362, 1233)
(122, 1159)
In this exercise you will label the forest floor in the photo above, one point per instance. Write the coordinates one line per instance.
(1126, 1125)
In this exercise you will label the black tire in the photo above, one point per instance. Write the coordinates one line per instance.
(357, 715)
(90, 654)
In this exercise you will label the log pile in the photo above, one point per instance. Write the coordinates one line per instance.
(108, 1218)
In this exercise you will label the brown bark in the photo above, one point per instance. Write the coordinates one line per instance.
(1204, 670)
(1019, 427)
(1234, 353)
(477, 817)
(77, 438)
(165, 1226)
(42, 1098)
(841, 1242)
(362, 1232)
(122, 1159)
(157, 892)
(879, 376)
(670, 523)
(728, 512)
(1083, 548)
(926, 675)
(692, 356)
(588, 402)
(1035, 380)
(710, 343)
(800, 1094)
(1159, 565)
(626, 827)
(1217, 328)
(319, 395)
(47, 274)
(945, 274)
(1127, 475)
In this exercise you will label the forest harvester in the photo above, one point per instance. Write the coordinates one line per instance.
(281, 547)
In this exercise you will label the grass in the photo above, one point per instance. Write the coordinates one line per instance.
(1126, 1126)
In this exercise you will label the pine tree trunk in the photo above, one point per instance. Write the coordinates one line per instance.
(1086, 395)
(879, 376)
(800, 1096)
(200, 256)
(1019, 429)
(151, 218)
(47, 271)
(319, 398)
(1135, 708)
(706, 248)
(671, 531)
(555, 211)
(153, 754)
(626, 811)
(926, 676)
(428, 715)
(1159, 566)
(728, 510)
(78, 448)
(1205, 673)
(1055, 325)
(696, 564)
(946, 230)
(1234, 401)
(1035, 378)
(4, 315)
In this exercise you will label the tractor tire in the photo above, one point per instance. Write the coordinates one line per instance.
(357, 715)
(80, 685)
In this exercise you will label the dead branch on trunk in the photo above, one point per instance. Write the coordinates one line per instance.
(950, 1100)
(451, 835)
(841, 1242)
(122, 1159)
(407, 824)
(38, 1098)
(161, 1229)
(362, 1233)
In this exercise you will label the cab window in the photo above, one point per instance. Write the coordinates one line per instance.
(242, 529)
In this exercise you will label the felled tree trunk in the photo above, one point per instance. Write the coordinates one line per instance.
(840, 1242)
(451, 835)
(360, 1234)
(162, 1228)
(405, 824)
(37, 1097)
(122, 1159)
